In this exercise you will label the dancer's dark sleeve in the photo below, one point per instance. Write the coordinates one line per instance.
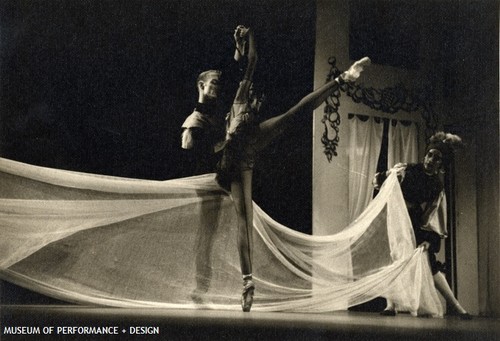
(200, 159)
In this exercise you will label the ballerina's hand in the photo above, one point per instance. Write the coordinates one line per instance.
(425, 245)
(240, 34)
(355, 70)
(400, 170)
(241, 31)
(239, 37)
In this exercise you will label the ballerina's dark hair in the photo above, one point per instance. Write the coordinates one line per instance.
(446, 143)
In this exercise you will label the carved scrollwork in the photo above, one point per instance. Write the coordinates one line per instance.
(389, 100)
(331, 116)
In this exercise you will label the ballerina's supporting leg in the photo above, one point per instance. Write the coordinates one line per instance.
(241, 192)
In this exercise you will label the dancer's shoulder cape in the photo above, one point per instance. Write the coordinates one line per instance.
(198, 120)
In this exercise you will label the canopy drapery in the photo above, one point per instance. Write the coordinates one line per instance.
(365, 141)
(95, 239)
(403, 143)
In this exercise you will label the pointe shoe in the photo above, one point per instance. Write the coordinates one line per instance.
(247, 295)
(353, 73)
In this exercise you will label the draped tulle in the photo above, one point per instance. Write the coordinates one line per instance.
(103, 240)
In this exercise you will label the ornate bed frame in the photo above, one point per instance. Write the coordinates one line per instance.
(389, 100)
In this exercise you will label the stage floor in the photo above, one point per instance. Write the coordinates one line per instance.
(69, 323)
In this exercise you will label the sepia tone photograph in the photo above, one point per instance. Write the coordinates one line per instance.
(259, 170)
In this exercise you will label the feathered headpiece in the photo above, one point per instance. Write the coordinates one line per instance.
(446, 143)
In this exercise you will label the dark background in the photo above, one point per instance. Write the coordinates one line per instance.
(387, 31)
(104, 86)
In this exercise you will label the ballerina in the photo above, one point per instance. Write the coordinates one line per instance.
(245, 137)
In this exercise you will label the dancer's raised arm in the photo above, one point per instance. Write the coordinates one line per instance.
(241, 35)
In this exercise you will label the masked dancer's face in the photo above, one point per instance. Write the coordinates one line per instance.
(210, 87)
(433, 161)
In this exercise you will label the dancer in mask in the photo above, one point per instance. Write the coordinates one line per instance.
(202, 129)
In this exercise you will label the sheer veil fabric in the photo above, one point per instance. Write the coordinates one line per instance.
(110, 241)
